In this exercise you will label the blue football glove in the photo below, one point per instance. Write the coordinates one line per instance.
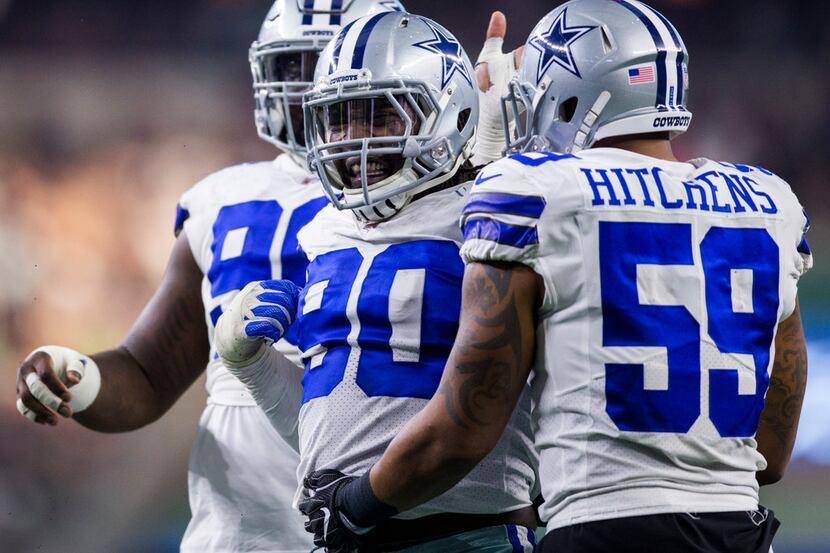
(259, 315)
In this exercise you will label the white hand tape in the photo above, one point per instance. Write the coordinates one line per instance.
(42, 392)
(501, 69)
(25, 411)
(67, 359)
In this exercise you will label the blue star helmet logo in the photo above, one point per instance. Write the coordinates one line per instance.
(554, 45)
(452, 57)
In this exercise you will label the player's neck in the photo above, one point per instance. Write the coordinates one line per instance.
(656, 146)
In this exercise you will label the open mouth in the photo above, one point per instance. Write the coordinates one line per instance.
(376, 170)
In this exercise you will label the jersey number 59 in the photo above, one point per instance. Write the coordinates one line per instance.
(739, 305)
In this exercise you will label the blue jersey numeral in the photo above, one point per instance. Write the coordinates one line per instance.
(248, 256)
(294, 261)
(722, 251)
(415, 285)
(626, 322)
(331, 277)
(255, 224)
(378, 374)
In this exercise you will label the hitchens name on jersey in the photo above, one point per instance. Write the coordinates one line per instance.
(716, 191)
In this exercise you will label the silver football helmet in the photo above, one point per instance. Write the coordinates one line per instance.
(593, 69)
(392, 113)
(284, 56)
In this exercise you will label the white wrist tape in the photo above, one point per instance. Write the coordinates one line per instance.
(492, 48)
(501, 69)
(65, 360)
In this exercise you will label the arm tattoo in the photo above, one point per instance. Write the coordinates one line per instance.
(489, 347)
(787, 385)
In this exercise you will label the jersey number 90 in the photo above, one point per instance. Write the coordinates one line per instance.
(395, 316)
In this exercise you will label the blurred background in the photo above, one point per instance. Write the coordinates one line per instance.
(110, 110)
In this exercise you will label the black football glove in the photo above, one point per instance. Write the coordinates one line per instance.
(325, 519)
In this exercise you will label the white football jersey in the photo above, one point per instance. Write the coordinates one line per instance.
(664, 285)
(242, 224)
(376, 324)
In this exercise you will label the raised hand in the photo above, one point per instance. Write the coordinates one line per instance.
(494, 70)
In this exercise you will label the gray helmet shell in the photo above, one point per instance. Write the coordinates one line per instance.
(420, 68)
(594, 69)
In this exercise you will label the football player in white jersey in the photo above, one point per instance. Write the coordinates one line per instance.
(656, 301)
(236, 225)
(389, 127)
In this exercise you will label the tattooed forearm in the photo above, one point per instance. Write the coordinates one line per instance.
(483, 380)
(785, 395)
(487, 380)
(493, 346)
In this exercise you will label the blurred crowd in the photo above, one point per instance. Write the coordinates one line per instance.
(110, 110)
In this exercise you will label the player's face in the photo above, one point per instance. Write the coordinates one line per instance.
(292, 67)
(367, 118)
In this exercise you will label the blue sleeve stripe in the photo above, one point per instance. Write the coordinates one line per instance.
(182, 215)
(525, 206)
(804, 247)
(502, 233)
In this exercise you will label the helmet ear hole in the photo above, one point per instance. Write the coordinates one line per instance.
(607, 47)
(463, 118)
(567, 109)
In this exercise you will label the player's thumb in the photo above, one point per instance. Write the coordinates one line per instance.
(498, 26)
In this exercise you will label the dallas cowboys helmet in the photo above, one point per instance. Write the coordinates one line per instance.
(594, 69)
(284, 56)
(392, 113)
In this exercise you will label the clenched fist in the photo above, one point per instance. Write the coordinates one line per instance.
(56, 380)
(258, 316)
